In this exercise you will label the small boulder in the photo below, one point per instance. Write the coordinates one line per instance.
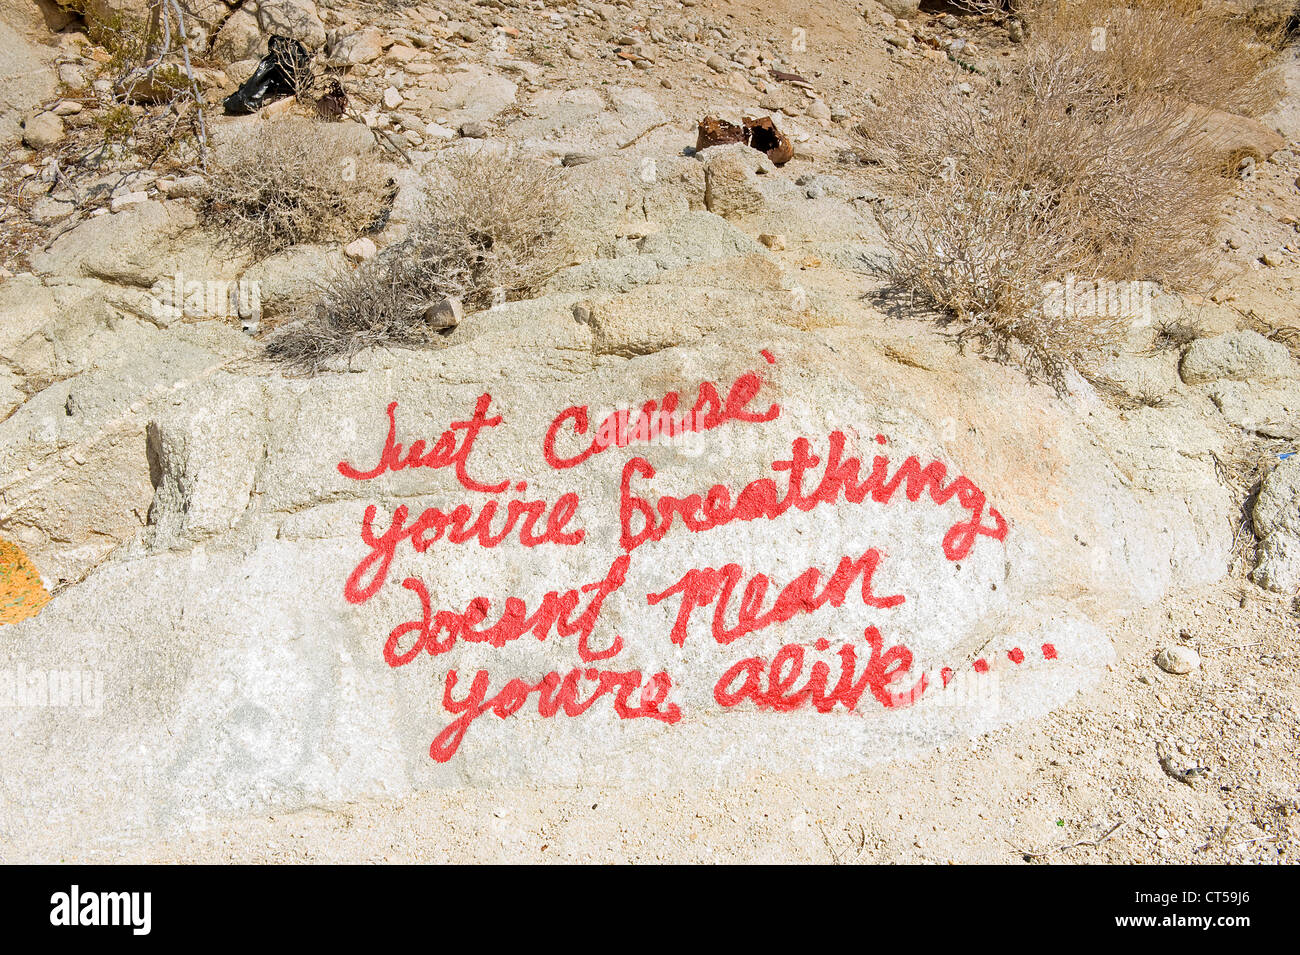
(297, 19)
(363, 46)
(1178, 660)
(1276, 520)
(43, 129)
(731, 179)
(361, 249)
(1236, 356)
(444, 313)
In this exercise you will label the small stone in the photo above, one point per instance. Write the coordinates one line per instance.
(43, 129)
(773, 240)
(67, 107)
(469, 33)
(1015, 31)
(1178, 660)
(818, 110)
(359, 250)
(392, 98)
(446, 313)
(438, 131)
(1271, 259)
(717, 63)
(473, 130)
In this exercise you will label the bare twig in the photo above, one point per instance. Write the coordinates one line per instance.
(641, 135)
(1091, 843)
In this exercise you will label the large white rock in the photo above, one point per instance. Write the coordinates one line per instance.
(141, 245)
(237, 676)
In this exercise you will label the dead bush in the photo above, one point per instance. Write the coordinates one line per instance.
(1009, 197)
(486, 231)
(499, 220)
(1167, 48)
(290, 182)
(1052, 175)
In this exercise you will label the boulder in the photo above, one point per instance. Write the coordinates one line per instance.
(239, 39)
(1233, 137)
(1276, 520)
(243, 674)
(293, 278)
(362, 46)
(1237, 356)
(733, 183)
(1271, 409)
(77, 476)
(468, 95)
(51, 332)
(140, 245)
(292, 18)
(902, 9)
(43, 129)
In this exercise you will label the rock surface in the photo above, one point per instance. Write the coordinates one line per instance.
(1237, 356)
(1276, 517)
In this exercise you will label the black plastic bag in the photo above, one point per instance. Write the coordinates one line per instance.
(278, 74)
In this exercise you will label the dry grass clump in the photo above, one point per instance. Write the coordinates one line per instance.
(1011, 196)
(486, 231)
(1165, 48)
(1072, 166)
(287, 183)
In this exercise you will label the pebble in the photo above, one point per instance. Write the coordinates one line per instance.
(392, 98)
(773, 240)
(361, 249)
(1178, 660)
(473, 130)
(716, 63)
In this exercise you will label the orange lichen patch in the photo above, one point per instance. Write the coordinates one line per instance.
(22, 594)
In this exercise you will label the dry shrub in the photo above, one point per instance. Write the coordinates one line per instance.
(1009, 196)
(1168, 48)
(290, 182)
(1054, 173)
(487, 229)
